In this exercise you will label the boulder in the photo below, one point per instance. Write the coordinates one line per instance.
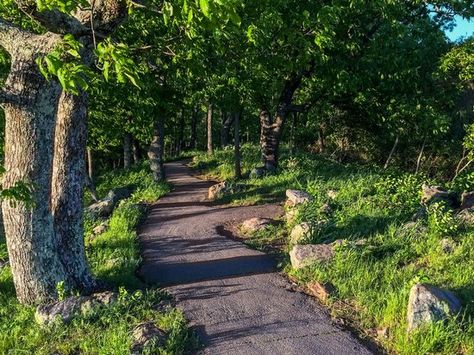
(383, 333)
(255, 224)
(101, 228)
(321, 291)
(326, 209)
(105, 206)
(432, 194)
(332, 194)
(411, 228)
(147, 335)
(420, 214)
(447, 245)
(304, 255)
(428, 304)
(73, 306)
(466, 216)
(467, 200)
(300, 232)
(218, 190)
(297, 197)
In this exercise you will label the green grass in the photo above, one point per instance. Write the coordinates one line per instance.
(114, 258)
(372, 280)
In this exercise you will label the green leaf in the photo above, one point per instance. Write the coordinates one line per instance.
(204, 5)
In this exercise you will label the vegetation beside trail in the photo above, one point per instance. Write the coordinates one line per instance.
(114, 257)
(372, 280)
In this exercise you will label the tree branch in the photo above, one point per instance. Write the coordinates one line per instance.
(53, 20)
(7, 97)
(9, 35)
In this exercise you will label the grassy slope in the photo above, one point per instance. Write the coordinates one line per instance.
(372, 281)
(114, 257)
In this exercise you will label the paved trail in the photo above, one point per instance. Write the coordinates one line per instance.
(232, 295)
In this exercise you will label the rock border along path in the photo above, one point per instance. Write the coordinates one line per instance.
(232, 296)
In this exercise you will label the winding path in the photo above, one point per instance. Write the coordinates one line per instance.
(232, 295)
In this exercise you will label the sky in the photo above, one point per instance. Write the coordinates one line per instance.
(463, 28)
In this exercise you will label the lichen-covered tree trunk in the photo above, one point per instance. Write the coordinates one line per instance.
(67, 188)
(155, 151)
(29, 130)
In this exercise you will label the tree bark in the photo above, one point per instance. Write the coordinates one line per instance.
(67, 188)
(29, 129)
(272, 128)
(90, 164)
(155, 151)
(391, 153)
(238, 166)
(127, 150)
(136, 150)
(227, 121)
(210, 149)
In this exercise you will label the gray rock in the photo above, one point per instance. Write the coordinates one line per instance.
(467, 200)
(256, 224)
(428, 304)
(105, 206)
(326, 209)
(432, 194)
(297, 197)
(218, 190)
(71, 307)
(420, 214)
(304, 255)
(300, 232)
(447, 245)
(147, 335)
(412, 227)
(466, 217)
(101, 228)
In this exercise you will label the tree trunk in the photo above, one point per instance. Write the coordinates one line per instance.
(136, 151)
(155, 151)
(391, 153)
(90, 165)
(29, 129)
(294, 124)
(271, 129)
(238, 168)
(127, 150)
(210, 149)
(192, 143)
(67, 188)
(227, 121)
